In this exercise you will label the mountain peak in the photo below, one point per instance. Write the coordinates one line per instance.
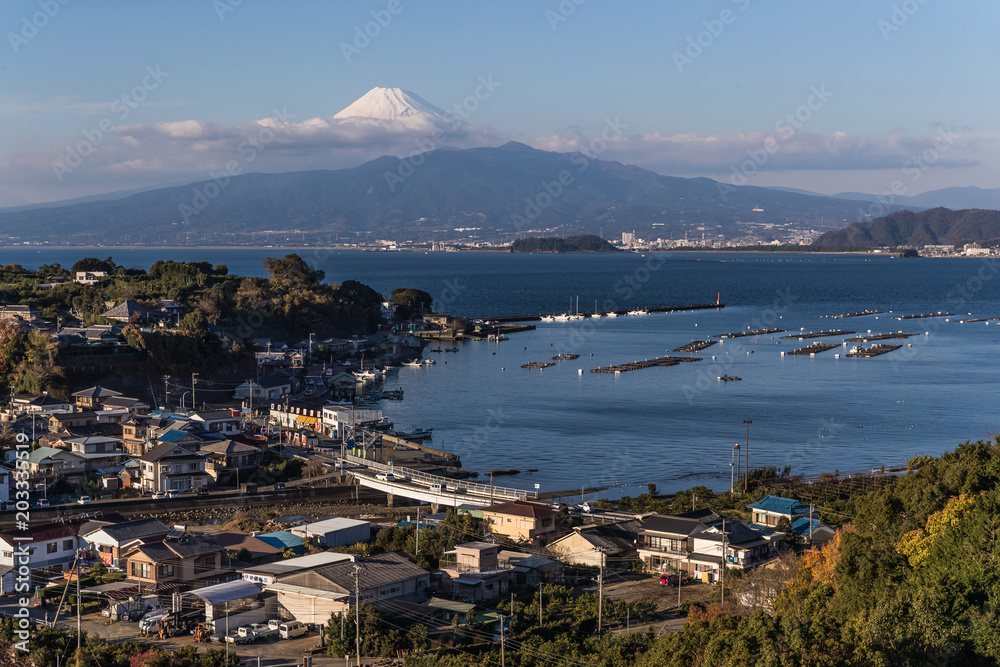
(393, 104)
(516, 146)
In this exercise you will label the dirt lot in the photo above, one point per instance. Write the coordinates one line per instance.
(638, 587)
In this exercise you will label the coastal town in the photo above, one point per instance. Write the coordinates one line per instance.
(271, 504)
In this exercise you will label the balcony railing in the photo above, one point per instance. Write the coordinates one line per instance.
(464, 568)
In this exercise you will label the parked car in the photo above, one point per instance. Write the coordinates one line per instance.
(150, 621)
(279, 485)
(160, 495)
(670, 579)
(131, 615)
(203, 491)
(84, 500)
(586, 507)
(42, 502)
(243, 635)
(291, 630)
(173, 494)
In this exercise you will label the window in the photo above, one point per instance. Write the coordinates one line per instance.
(67, 545)
(205, 563)
(141, 570)
(52, 547)
(165, 570)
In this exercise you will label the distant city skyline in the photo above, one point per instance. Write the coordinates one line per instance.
(854, 96)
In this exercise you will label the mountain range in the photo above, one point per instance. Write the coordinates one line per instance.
(938, 226)
(500, 192)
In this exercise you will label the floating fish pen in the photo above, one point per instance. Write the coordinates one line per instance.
(565, 357)
(645, 363)
(729, 378)
(819, 334)
(979, 319)
(921, 317)
(538, 364)
(899, 335)
(695, 346)
(858, 314)
(747, 334)
(814, 348)
(873, 351)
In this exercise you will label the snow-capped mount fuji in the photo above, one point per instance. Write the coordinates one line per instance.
(395, 104)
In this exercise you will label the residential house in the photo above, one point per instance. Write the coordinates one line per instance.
(227, 458)
(217, 421)
(96, 451)
(60, 421)
(311, 596)
(17, 313)
(91, 398)
(134, 406)
(129, 311)
(51, 545)
(40, 404)
(699, 547)
(190, 560)
(172, 467)
(89, 277)
(110, 542)
(48, 464)
(595, 544)
(344, 386)
(472, 571)
(266, 389)
(769, 510)
(6, 482)
(812, 531)
(169, 308)
(521, 520)
(530, 569)
(137, 431)
(234, 542)
(294, 416)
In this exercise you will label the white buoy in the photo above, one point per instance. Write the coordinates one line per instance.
(927, 333)
(782, 353)
(812, 354)
(579, 371)
(836, 356)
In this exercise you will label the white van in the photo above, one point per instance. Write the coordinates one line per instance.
(437, 488)
(385, 477)
(150, 621)
(291, 630)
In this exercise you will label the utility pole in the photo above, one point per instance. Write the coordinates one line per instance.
(503, 637)
(746, 473)
(491, 487)
(416, 551)
(600, 596)
(79, 605)
(539, 600)
(357, 611)
(680, 577)
(722, 574)
(166, 392)
(193, 402)
(810, 524)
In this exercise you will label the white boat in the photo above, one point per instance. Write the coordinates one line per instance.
(365, 375)
(565, 317)
(549, 318)
(429, 362)
(611, 313)
(413, 364)
(576, 317)
(638, 311)
(416, 434)
(596, 316)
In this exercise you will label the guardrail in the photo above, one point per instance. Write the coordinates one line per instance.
(448, 484)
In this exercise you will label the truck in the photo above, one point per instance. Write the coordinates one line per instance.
(265, 631)
(242, 635)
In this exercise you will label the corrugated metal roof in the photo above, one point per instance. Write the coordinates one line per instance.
(777, 505)
(227, 592)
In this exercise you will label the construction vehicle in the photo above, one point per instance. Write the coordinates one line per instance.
(202, 633)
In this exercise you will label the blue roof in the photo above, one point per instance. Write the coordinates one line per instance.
(282, 539)
(405, 524)
(801, 526)
(173, 436)
(777, 505)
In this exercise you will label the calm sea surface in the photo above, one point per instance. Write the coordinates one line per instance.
(676, 426)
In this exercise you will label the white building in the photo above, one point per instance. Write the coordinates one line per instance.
(338, 418)
(89, 277)
(47, 545)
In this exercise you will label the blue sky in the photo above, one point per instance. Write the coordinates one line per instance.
(895, 72)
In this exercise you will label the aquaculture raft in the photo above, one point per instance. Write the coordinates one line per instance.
(858, 314)
(921, 317)
(872, 351)
(886, 336)
(746, 334)
(645, 363)
(538, 364)
(695, 346)
(563, 357)
(814, 348)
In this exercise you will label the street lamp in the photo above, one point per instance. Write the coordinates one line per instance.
(746, 470)
(193, 402)
(734, 465)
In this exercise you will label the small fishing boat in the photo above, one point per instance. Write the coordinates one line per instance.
(416, 434)
(429, 362)
(415, 363)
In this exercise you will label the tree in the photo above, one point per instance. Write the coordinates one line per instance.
(94, 264)
(412, 300)
(292, 272)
